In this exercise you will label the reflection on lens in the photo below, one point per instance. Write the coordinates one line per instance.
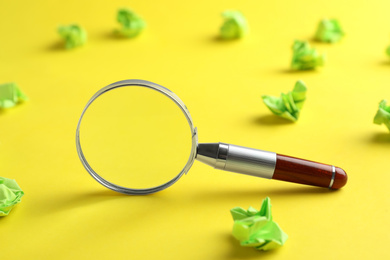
(135, 137)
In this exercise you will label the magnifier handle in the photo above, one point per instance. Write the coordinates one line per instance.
(308, 172)
(270, 165)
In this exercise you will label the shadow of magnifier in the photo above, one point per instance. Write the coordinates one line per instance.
(134, 123)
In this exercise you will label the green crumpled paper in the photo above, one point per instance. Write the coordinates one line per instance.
(73, 35)
(256, 229)
(388, 51)
(288, 105)
(329, 30)
(132, 24)
(10, 95)
(235, 25)
(383, 114)
(305, 57)
(10, 195)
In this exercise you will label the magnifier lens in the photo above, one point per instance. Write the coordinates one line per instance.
(135, 137)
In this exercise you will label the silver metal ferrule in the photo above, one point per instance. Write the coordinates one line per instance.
(238, 159)
(333, 176)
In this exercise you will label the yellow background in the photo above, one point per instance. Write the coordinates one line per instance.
(65, 214)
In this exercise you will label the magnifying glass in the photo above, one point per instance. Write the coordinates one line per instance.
(221, 156)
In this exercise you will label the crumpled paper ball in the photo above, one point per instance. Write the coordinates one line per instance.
(256, 229)
(329, 30)
(11, 95)
(235, 25)
(383, 114)
(10, 195)
(305, 57)
(132, 24)
(288, 105)
(73, 35)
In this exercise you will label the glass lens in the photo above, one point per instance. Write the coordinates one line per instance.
(135, 137)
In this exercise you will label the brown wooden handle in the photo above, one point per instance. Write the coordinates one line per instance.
(307, 172)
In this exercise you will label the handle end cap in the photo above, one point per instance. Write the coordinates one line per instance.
(340, 179)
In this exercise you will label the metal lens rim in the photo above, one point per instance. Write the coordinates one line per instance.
(162, 90)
